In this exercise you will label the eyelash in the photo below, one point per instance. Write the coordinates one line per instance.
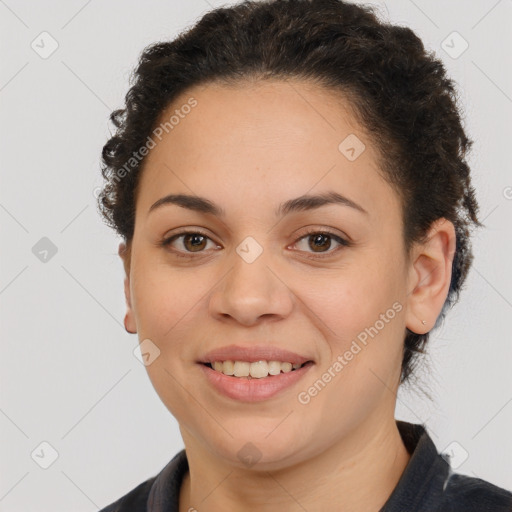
(343, 242)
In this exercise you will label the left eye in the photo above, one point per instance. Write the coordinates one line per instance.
(322, 240)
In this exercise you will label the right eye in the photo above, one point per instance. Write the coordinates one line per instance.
(192, 242)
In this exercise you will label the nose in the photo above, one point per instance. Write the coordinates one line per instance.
(250, 292)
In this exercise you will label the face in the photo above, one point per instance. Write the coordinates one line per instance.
(328, 281)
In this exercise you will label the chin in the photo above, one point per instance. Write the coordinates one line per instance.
(259, 451)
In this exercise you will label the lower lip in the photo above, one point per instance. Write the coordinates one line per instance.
(253, 390)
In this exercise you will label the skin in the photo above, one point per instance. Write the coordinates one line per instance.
(248, 148)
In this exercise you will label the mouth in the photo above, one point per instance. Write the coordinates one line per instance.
(254, 370)
(242, 386)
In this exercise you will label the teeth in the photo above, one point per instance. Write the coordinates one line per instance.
(241, 369)
(256, 370)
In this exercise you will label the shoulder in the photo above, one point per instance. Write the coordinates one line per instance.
(134, 501)
(161, 490)
(465, 493)
(429, 484)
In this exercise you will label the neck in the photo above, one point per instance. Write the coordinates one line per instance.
(357, 474)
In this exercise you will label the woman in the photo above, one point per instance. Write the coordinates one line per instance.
(290, 183)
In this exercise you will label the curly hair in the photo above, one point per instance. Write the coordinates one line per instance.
(398, 91)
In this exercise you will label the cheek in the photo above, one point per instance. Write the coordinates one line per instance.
(364, 336)
(362, 311)
(166, 305)
(165, 298)
(355, 298)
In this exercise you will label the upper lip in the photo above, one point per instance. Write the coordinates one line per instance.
(253, 353)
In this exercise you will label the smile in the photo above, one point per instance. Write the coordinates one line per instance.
(242, 385)
(255, 370)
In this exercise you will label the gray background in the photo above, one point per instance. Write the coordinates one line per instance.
(68, 373)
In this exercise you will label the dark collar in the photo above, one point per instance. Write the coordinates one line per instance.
(422, 481)
(165, 492)
(424, 477)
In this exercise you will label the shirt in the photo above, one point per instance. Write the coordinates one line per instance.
(427, 484)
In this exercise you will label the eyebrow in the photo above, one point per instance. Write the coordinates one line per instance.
(302, 203)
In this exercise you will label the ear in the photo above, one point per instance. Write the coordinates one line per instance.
(124, 252)
(429, 276)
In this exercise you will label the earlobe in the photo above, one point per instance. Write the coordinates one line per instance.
(129, 324)
(129, 320)
(430, 276)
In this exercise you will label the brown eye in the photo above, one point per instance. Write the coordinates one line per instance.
(192, 242)
(321, 241)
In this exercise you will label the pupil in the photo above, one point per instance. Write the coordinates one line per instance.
(318, 238)
(195, 242)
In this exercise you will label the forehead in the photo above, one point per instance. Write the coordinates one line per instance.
(265, 141)
(273, 114)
